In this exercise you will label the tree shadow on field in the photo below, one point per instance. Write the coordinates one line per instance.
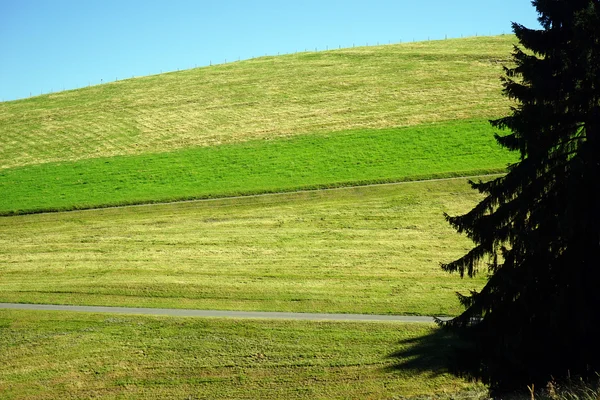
(437, 353)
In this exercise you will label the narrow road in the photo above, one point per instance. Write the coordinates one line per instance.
(174, 312)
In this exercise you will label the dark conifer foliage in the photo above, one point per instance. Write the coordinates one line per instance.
(538, 228)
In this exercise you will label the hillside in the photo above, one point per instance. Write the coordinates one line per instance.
(274, 124)
(264, 98)
(337, 118)
(362, 250)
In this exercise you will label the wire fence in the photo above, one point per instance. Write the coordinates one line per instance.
(236, 59)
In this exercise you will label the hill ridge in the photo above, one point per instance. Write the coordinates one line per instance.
(268, 97)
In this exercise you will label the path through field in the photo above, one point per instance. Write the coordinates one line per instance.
(219, 313)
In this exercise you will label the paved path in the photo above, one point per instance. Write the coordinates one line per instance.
(174, 312)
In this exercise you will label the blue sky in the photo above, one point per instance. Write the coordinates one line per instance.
(60, 44)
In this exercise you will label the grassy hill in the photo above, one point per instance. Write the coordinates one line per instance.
(356, 250)
(273, 124)
(309, 120)
(353, 158)
(51, 355)
(269, 97)
(408, 94)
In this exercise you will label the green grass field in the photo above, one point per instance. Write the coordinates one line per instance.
(50, 355)
(273, 124)
(312, 161)
(339, 90)
(355, 250)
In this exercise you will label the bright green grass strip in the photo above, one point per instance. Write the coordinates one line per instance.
(305, 162)
(67, 355)
(372, 250)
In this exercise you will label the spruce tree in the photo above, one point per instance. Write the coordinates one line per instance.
(537, 230)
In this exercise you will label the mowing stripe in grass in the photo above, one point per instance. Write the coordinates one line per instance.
(306, 162)
(216, 199)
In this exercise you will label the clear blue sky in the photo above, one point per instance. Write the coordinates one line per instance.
(53, 45)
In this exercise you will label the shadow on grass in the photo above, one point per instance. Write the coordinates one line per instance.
(437, 353)
(443, 351)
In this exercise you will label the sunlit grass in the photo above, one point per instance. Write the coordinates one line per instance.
(354, 250)
(306, 162)
(66, 355)
(308, 120)
(365, 87)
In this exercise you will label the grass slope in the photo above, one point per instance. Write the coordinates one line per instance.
(49, 355)
(365, 87)
(310, 161)
(355, 250)
(306, 120)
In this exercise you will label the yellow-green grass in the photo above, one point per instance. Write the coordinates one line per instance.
(353, 250)
(312, 161)
(358, 88)
(51, 355)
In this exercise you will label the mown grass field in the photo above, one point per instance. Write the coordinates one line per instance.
(50, 355)
(355, 250)
(272, 124)
(312, 161)
(269, 97)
